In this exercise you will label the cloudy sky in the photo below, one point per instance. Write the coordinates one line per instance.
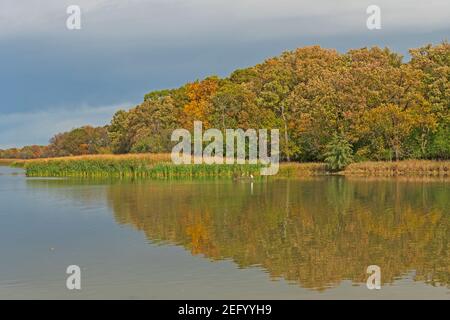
(53, 79)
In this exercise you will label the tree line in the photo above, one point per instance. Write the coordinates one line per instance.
(79, 141)
(366, 104)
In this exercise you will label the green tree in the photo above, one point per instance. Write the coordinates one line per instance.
(339, 153)
(118, 132)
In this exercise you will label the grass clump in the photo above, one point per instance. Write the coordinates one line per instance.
(399, 168)
(132, 166)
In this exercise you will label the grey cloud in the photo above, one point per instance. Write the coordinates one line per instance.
(39, 127)
(129, 47)
(157, 19)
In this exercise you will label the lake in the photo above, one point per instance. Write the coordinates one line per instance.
(310, 238)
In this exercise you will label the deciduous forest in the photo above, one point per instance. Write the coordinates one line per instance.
(368, 102)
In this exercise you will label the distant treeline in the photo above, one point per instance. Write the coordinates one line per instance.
(79, 141)
(368, 99)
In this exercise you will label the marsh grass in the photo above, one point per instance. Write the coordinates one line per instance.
(295, 169)
(8, 162)
(154, 166)
(160, 166)
(399, 168)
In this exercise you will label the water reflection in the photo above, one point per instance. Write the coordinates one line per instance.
(314, 233)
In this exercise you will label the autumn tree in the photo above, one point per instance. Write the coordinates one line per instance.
(387, 128)
(151, 125)
(79, 141)
(434, 62)
(118, 132)
(384, 107)
(199, 107)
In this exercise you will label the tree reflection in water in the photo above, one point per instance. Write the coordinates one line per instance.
(314, 232)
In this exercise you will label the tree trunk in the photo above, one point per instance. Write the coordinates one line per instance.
(286, 136)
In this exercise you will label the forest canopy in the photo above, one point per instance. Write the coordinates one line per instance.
(369, 100)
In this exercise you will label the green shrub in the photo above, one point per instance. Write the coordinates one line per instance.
(339, 154)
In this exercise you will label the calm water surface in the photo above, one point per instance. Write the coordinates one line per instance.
(276, 239)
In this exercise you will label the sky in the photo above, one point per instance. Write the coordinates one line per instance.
(53, 79)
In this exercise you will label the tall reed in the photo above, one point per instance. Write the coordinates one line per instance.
(160, 166)
(399, 168)
(133, 167)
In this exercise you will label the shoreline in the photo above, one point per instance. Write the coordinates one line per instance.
(159, 166)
